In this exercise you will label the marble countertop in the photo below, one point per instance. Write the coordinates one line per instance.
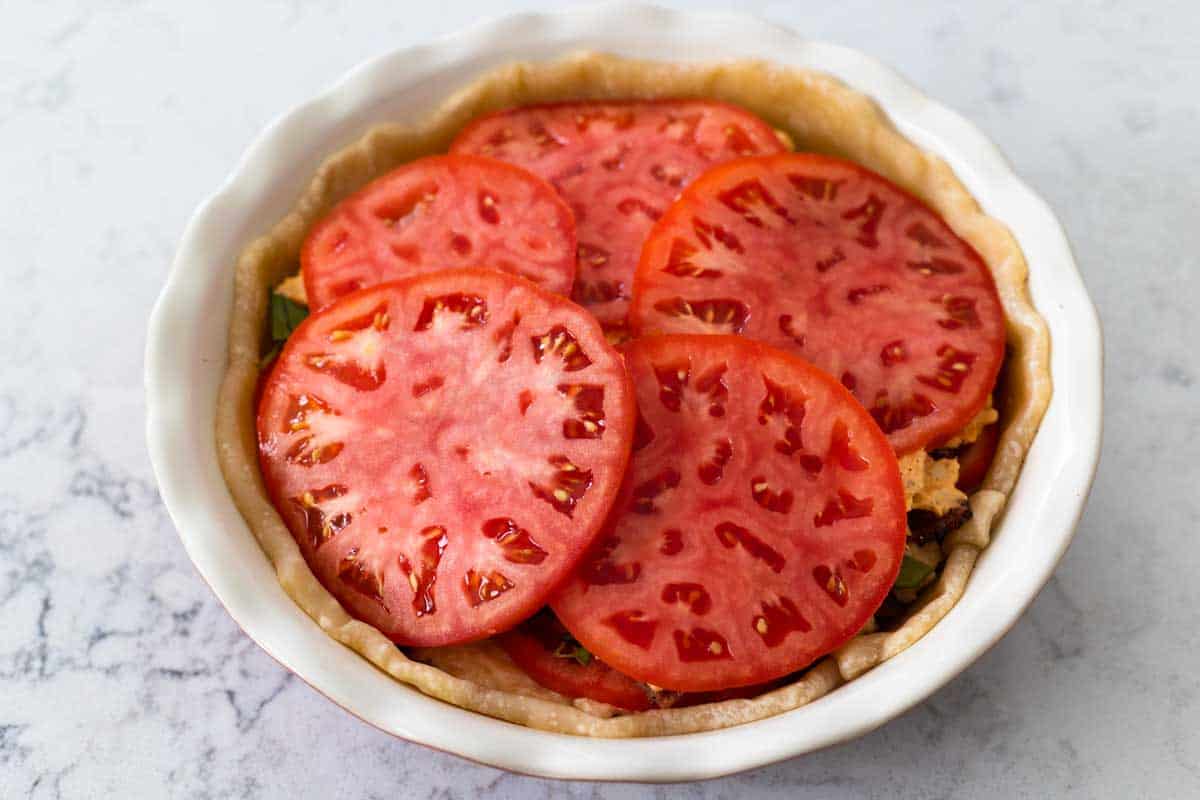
(120, 674)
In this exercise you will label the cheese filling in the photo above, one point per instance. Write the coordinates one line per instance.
(986, 416)
(929, 482)
(293, 289)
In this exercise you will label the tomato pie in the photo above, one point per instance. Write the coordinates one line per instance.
(624, 398)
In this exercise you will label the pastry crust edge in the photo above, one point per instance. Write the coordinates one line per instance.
(821, 114)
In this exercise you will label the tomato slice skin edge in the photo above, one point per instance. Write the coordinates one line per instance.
(529, 647)
(976, 458)
(353, 219)
(471, 128)
(619, 407)
(585, 614)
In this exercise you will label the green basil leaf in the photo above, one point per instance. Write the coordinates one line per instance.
(912, 572)
(569, 648)
(286, 315)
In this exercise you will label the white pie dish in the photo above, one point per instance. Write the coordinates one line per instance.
(186, 356)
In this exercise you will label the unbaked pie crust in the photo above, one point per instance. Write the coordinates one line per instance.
(819, 113)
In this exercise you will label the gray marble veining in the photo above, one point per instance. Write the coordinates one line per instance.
(120, 674)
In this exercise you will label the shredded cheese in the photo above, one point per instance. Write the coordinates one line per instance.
(929, 483)
(293, 289)
(986, 416)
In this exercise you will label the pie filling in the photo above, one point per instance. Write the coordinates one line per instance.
(689, 229)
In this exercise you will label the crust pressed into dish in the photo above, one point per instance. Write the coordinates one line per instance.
(819, 113)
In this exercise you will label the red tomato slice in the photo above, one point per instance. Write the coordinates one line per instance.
(619, 165)
(835, 264)
(535, 646)
(443, 449)
(439, 213)
(976, 457)
(760, 525)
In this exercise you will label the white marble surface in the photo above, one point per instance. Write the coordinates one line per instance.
(121, 676)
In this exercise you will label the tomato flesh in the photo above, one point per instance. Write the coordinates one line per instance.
(444, 448)
(831, 262)
(536, 646)
(619, 165)
(760, 524)
(439, 213)
(976, 458)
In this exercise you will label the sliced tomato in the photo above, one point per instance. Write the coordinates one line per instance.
(835, 264)
(439, 213)
(976, 457)
(542, 648)
(444, 448)
(537, 647)
(760, 524)
(619, 165)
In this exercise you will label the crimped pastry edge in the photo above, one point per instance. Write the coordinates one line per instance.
(820, 114)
